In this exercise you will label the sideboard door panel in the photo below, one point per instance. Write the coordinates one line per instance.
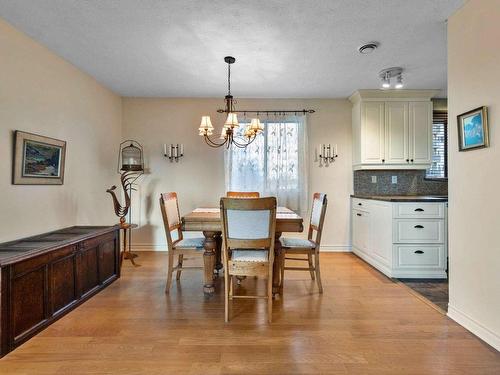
(28, 301)
(107, 261)
(63, 289)
(87, 270)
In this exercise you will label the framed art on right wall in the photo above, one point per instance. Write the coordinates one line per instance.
(473, 129)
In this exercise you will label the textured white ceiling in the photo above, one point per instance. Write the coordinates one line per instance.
(283, 48)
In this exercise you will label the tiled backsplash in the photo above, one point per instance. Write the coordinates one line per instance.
(409, 182)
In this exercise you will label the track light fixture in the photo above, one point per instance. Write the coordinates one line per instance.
(399, 82)
(386, 75)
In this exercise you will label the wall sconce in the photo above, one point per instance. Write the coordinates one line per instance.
(327, 153)
(173, 152)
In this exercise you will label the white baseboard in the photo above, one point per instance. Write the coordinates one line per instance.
(163, 247)
(475, 327)
(335, 248)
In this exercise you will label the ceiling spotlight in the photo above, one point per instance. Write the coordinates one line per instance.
(386, 83)
(399, 82)
(386, 75)
(367, 48)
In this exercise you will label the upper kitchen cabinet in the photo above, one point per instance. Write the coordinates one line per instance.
(392, 129)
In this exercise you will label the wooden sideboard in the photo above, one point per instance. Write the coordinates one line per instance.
(44, 277)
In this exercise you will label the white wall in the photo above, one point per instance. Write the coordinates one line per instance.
(41, 93)
(199, 177)
(474, 176)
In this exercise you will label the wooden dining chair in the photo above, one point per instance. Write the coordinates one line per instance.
(243, 194)
(309, 246)
(248, 227)
(177, 244)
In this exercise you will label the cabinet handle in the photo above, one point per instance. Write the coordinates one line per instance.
(360, 204)
(407, 160)
(419, 210)
(359, 214)
(419, 226)
(419, 252)
(383, 160)
(411, 160)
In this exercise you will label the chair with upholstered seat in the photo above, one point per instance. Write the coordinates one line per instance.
(309, 246)
(248, 227)
(177, 244)
(243, 194)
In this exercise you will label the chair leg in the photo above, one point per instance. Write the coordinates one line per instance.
(169, 270)
(179, 264)
(226, 296)
(270, 296)
(311, 268)
(282, 261)
(318, 272)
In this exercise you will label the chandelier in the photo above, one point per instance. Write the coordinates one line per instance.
(229, 134)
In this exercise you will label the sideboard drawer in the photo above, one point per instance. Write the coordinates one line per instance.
(419, 256)
(418, 231)
(420, 210)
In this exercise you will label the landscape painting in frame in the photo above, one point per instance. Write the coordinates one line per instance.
(473, 129)
(38, 160)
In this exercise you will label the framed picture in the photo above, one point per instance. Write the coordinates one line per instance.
(473, 129)
(38, 160)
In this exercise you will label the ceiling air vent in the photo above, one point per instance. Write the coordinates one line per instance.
(368, 48)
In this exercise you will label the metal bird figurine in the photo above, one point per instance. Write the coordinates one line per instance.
(127, 179)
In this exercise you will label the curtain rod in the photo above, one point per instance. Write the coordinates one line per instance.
(276, 112)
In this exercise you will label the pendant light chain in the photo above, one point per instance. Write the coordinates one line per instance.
(229, 79)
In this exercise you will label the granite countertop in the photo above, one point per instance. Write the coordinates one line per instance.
(403, 198)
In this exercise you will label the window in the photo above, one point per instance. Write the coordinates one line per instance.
(439, 162)
(274, 164)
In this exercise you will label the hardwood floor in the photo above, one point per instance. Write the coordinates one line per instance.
(362, 324)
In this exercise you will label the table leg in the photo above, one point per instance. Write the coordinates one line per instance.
(210, 245)
(277, 264)
(218, 253)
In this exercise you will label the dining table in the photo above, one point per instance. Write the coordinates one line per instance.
(208, 221)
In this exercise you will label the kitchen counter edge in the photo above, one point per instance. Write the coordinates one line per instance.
(403, 198)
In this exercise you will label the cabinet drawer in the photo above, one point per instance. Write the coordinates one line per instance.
(419, 210)
(418, 231)
(360, 204)
(419, 256)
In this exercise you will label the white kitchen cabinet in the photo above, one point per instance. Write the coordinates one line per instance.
(373, 124)
(401, 239)
(361, 229)
(396, 133)
(420, 128)
(392, 129)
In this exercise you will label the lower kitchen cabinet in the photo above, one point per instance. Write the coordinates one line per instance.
(401, 239)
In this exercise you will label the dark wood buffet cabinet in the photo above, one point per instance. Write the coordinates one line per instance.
(45, 276)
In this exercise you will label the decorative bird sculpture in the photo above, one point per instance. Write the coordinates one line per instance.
(127, 179)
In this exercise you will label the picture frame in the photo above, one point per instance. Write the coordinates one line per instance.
(473, 129)
(38, 160)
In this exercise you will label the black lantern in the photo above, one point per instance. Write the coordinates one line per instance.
(130, 157)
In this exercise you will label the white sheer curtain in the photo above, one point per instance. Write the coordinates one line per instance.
(275, 164)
